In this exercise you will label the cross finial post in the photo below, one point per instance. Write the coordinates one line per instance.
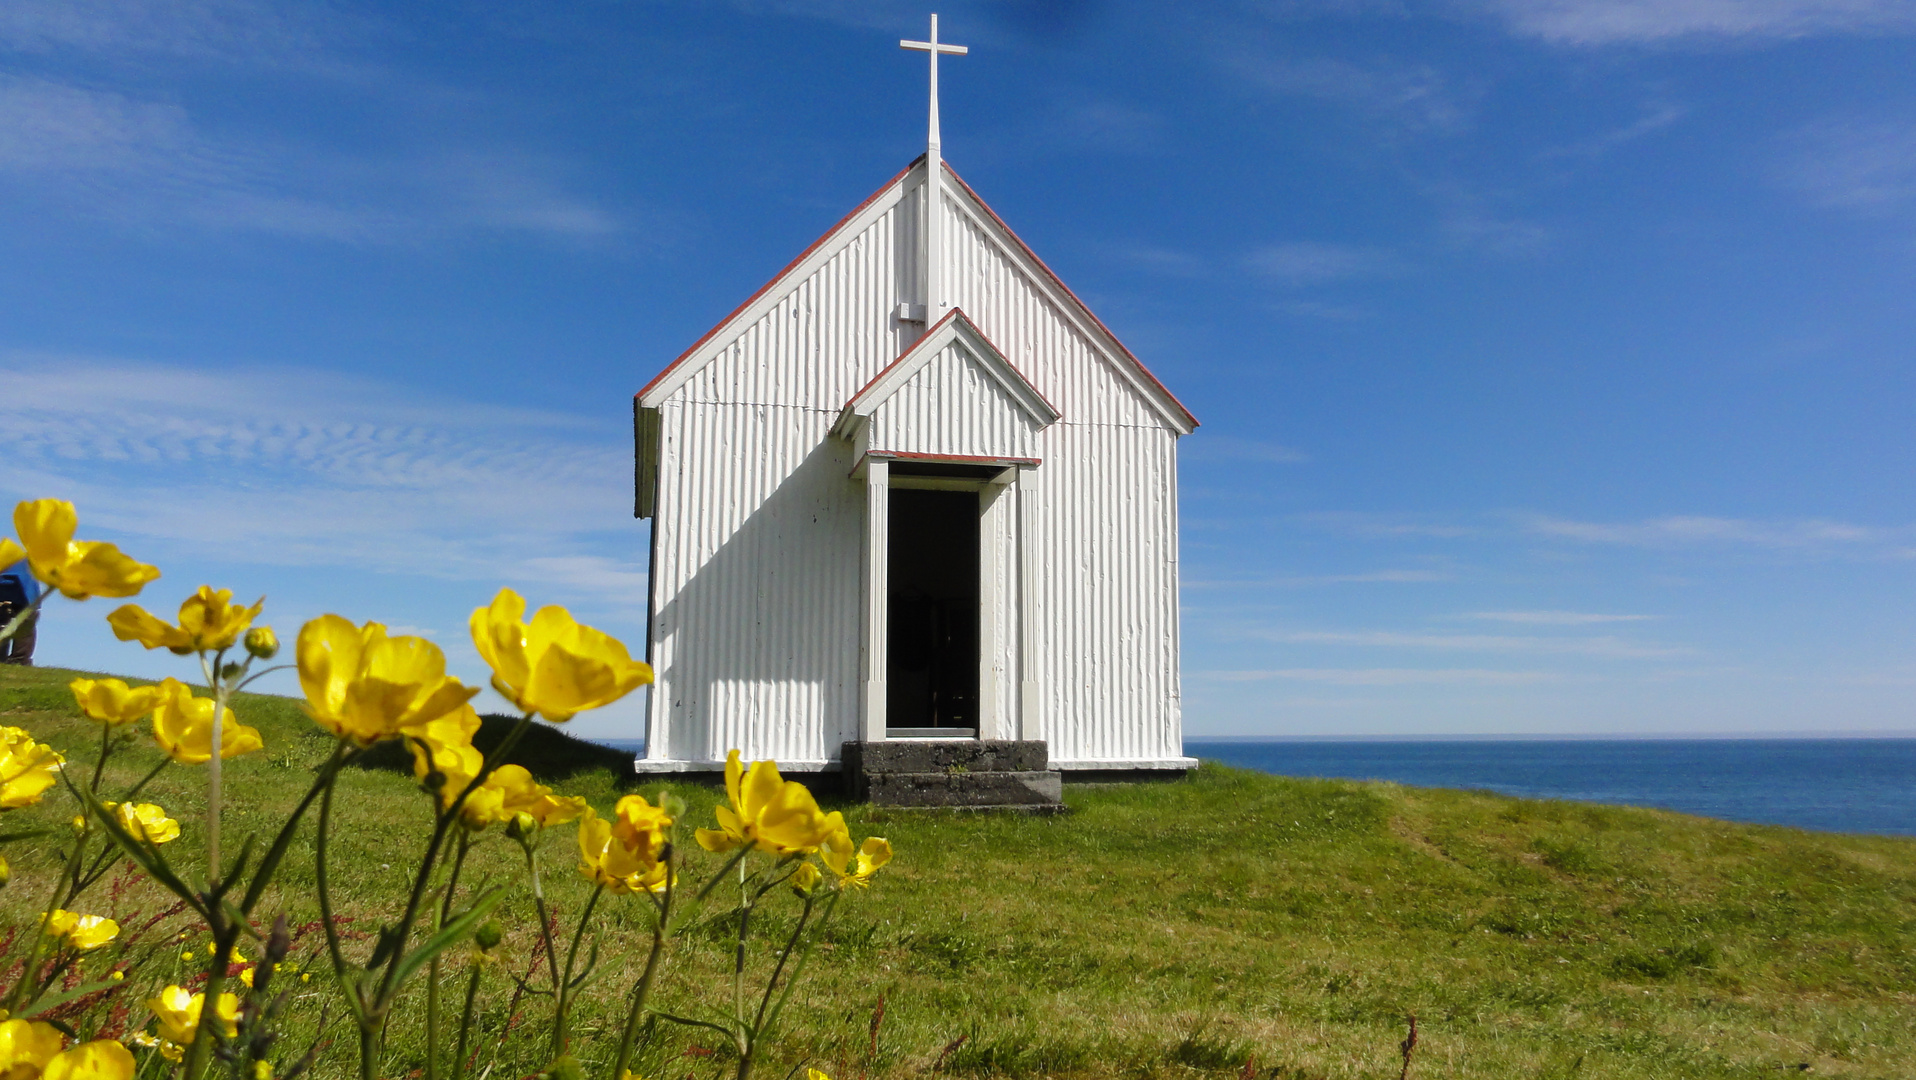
(934, 47)
(934, 168)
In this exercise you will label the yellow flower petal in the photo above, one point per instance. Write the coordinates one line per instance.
(178, 1012)
(27, 769)
(10, 552)
(364, 686)
(553, 666)
(131, 622)
(111, 701)
(146, 822)
(26, 1046)
(78, 568)
(101, 1059)
(183, 726)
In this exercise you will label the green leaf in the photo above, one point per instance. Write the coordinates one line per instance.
(455, 930)
(54, 1001)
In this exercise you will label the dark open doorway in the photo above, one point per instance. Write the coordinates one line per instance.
(931, 681)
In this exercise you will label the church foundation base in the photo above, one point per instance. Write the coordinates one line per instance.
(972, 774)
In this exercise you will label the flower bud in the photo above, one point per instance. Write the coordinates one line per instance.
(489, 935)
(565, 1067)
(262, 642)
(522, 826)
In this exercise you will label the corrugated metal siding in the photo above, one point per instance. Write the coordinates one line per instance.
(952, 406)
(1012, 310)
(1103, 533)
(833, 331)
(757, 578)
(757, 585)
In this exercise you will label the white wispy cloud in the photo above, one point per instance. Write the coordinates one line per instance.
(1294, 581)
(110, 155)
(1414, 97)
(1555, 618)
(1655, 119)
(1385, 676)
(298, 468)
(1694, 529)
(1235, 448)
(1613, 22)
(249, 30)
(1371, 525)
(1309, 262)
(1611, 647)
(1853, 163)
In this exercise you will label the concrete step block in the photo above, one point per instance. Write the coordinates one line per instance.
(1023, 788)
(938, 755)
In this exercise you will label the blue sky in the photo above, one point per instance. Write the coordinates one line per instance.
(1554, 356)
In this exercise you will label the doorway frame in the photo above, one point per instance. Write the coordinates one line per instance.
(1001, 612)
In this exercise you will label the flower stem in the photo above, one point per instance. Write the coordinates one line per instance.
(199, 1053)
(99, 764)
(13, 1002)
(565, 983)
(465, 1019)
(643, 990)
(432, 972)
(213, 767)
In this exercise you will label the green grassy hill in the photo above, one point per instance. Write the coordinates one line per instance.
(1176, 930)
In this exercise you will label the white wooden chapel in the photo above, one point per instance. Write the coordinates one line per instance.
(912, 488)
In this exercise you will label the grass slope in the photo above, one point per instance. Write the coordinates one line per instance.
(1184, 929)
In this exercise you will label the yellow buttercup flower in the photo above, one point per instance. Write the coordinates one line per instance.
(10, 552)
(806, 877)
(101, 1059)
(445, 746)
(172, 1052)
(777, 815)
(26, 1046)
(552, 666)
(364, 686)
(855, 869)
(262, 643)
(111, 701)
(624, 855)
(83, 932)
(145, 821)
(209, 622)
(6, 872)
(27, 768)
(183, 726)
(509, 791)
(78, 568)
(178, 1011)
(814, 1074)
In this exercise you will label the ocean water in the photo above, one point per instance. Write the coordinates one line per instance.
(1836, 785)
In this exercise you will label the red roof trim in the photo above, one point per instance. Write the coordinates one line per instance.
(901, 357)
(780, 276)
(1059, 282)
(956, 313)
(906, 455)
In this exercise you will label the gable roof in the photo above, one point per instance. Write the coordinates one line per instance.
(956, 326)
(1100, 336)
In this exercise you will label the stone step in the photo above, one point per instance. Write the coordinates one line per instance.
(1022, 789)
(945, 755)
